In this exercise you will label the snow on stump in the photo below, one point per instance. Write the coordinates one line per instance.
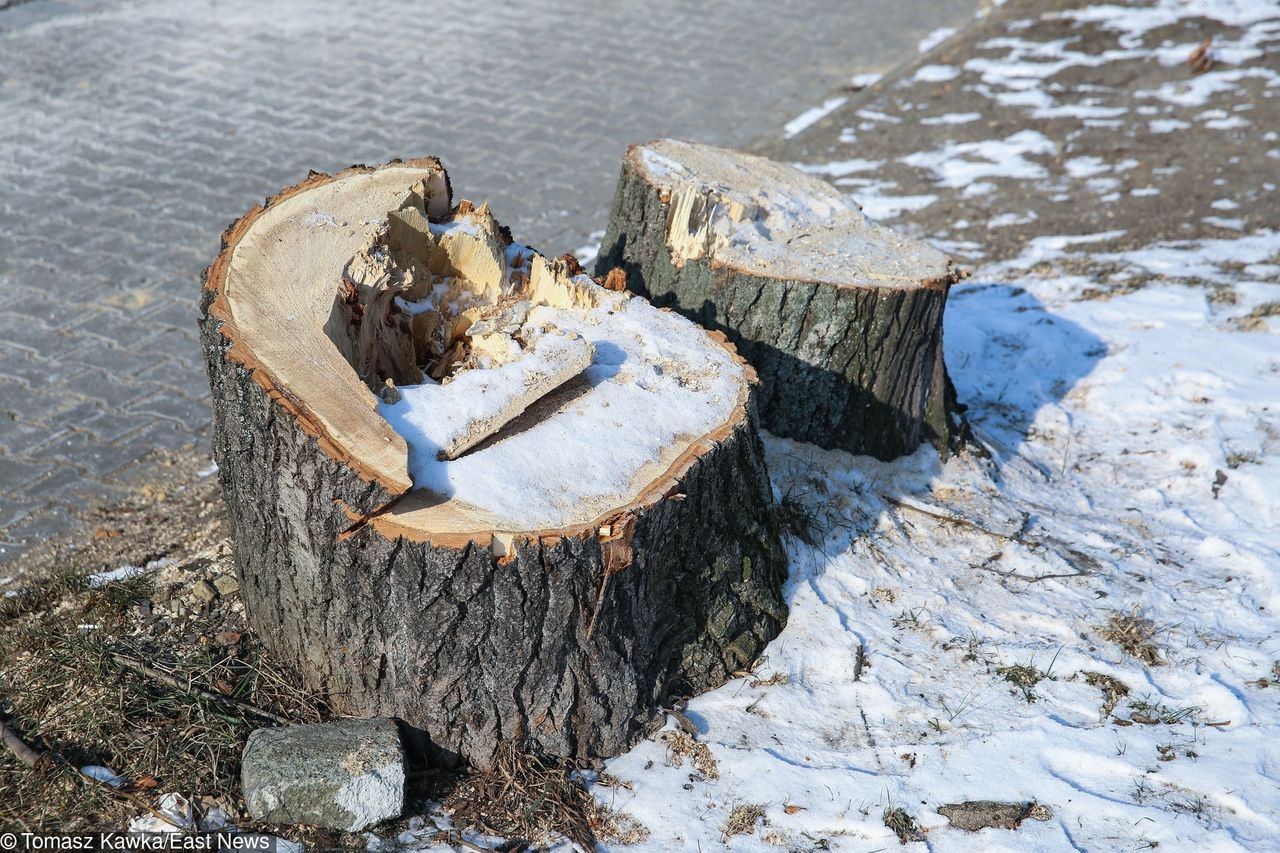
(472, 487)
(346, 775)
(841, 317)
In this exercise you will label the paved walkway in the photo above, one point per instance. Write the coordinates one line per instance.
(133, 132)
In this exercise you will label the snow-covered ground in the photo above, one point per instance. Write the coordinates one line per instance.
(1135, 457)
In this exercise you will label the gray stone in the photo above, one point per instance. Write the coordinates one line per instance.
(347, 774)
(226, 585)
(204, 591)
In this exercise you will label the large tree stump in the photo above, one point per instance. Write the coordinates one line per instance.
(579, 525)
(841, 317)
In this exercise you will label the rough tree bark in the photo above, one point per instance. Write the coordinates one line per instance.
(841, 318)
(398, 602)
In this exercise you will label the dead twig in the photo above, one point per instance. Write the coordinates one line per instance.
(954, 519)
(148, 671)
(682, 721)
(26, 754)
(1035, 578)
(33, 758)
(859, 661)
(1068, 555)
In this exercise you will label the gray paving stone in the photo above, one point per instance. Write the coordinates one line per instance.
(18, 471)
(134, 131)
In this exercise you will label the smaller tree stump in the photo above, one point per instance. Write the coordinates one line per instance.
(473, 488)
(841, 317)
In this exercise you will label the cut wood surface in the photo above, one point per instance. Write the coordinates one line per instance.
(841, 317)
(472, 487)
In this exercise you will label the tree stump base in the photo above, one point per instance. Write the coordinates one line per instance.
(841, 317)
(556, 551)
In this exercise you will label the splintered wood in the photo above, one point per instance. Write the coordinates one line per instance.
(500, 395)
(446, 297)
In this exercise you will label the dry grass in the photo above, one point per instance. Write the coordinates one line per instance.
(66, 686)
(536, 800)
(799, 519)
(69, 691)
(903, 825)
(168, 704)
(778, 678)
(1023, 676)
(1113, 690)
(1256, 320)
(742, 820)
(1135, 635)
(1155, 713)
(681, 745)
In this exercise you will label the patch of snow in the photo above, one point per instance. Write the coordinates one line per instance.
(1208, 260)
(660, 165)
(871, 195)
(1018, 78)
(1083, 167)
(655, 381)
(875, 115)
(445, 417)
(839, 168)
(1092, 114)
(978, 188)
(965, 249)
(936, 73)
(1197, 90)
(1224, 222)
(862, 81)
(208, 470)
(935, 38)
(1167, 125)
(1103, 185)
(1046, 248)
(1004, 220)
(811, 116)
(125, 572)
(122, 573)
(959, 164)
(587, 252)
(1134, 22)
(463, 224)
(952, 118)
(1229, 123)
